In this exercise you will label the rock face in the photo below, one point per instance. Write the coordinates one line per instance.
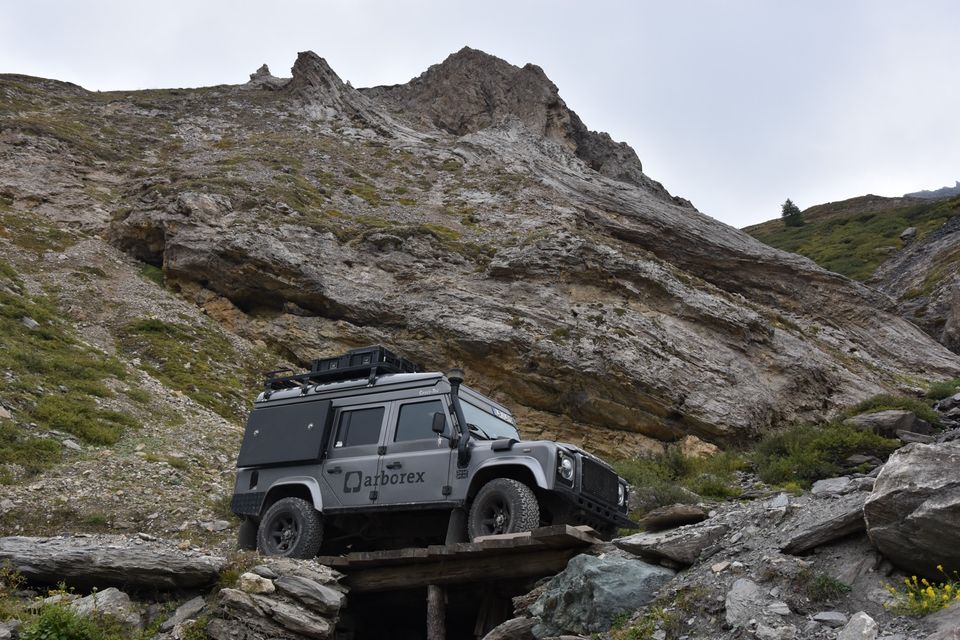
(913, 513)
(591, 591)
(499, 234)
(923, 279)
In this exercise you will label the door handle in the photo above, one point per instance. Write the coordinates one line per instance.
(395, 465)
(334, 470)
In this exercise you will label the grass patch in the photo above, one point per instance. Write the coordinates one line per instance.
(820, 587)
(31, 232)
(54, 380)
(885, 401)
(670, 478)
(665, 616)
(803, 454)
(197, 360)
(151, 273)
(32, 453)
(366, 191)
(78, 413)
(943, 389)
(854, 239)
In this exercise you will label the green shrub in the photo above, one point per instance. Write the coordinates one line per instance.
(943, 389)
(807, 453)
(33, 454)
(57, 622)
(670, 477)
(885, 401)
(820, 587)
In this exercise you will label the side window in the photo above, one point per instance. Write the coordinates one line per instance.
(358, 427)
(414, 422)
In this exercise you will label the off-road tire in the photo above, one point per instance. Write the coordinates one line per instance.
(292, 528)
(247, 535)
(503, 506)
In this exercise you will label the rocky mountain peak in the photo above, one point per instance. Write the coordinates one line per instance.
(325, 95)
(264, 79)
(472, 90)
(314, 79)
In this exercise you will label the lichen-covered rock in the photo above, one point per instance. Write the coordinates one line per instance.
(592, 591)
(913, 513)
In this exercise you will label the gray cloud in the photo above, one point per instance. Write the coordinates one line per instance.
(736, 105)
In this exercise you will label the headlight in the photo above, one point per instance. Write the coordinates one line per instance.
(566, 468)
(621, 494)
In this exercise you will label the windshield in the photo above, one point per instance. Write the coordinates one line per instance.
(488, 425)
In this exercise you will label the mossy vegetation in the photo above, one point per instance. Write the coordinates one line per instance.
(943, 389)
(853, 240)
(671, 477)
(196, 360)
(805, 453)
(54, 380)
(29, 231)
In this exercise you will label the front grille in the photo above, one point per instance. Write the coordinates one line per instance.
(599, 482)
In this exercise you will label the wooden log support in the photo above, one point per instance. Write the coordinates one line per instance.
(436, 613)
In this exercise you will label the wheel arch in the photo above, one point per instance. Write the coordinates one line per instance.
(303, 487)
(525, 471)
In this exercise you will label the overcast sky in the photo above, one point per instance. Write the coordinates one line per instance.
(736, 105)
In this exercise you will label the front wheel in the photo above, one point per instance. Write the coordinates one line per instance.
(503, 506)
(291, 527)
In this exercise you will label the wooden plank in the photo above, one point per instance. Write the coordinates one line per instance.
(458, 571)
(564, 534)
(552, 537)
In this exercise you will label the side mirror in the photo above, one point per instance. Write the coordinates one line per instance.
(439, 424)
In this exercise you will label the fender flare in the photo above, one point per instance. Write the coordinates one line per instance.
(528, 462)
(307, 481)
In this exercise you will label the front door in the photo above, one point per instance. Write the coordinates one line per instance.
(352, 466)
(416, 463)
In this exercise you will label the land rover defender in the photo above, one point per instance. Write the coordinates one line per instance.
(365, 450)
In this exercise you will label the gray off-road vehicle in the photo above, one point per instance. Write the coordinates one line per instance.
(364, 450)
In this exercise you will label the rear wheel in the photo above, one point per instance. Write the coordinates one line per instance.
(503, 506)
(291, 528)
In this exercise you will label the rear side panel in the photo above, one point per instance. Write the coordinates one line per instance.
(285, 434)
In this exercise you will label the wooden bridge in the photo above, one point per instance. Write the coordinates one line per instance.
(489, 560)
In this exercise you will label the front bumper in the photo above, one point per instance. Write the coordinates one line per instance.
(594, 512)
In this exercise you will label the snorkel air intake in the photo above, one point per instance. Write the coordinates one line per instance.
(455, 376)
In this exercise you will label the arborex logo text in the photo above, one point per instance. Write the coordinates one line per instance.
(355, 480)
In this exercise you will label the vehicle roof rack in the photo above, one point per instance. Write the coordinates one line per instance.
(356, 363)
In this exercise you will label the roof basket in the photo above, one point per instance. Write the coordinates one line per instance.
(366, 362)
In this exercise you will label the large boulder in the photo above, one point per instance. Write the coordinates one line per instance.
(913, 513)
(888, 423)
(592, 591)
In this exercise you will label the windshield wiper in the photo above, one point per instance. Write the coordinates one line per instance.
(480, 431)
